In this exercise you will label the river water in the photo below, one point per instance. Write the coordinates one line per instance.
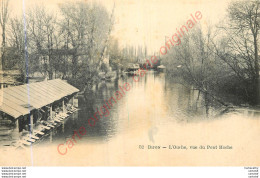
(155, 111)
(152, 100)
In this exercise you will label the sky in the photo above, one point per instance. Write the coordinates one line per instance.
(145, 22)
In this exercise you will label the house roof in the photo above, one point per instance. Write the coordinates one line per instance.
(20, 100)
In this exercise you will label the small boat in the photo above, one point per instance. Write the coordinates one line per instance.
(133, 68)
(161, 68)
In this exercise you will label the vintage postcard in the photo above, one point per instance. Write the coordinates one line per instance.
(129, 83)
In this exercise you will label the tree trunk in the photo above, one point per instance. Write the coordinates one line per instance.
(257, 82)
(3, 48)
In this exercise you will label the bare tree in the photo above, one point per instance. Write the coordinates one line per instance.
(4, 17)
(16, 45)
(42, 39)
(72, 45)
(197, 67)
(85, 29)
(74, 27)
(240, 46)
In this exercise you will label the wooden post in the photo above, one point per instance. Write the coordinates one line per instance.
(31, 122)
(74, 102)
(63, 106)
(17, 125)
(50, 112)
(16, 134)
(38, 115)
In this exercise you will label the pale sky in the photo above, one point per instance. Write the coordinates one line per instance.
(147, 22)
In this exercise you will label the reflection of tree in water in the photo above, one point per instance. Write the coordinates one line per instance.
(89, 101)
(191, 102)
(92, 102)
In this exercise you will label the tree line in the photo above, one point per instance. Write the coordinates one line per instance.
(69, 43)
(222, 61)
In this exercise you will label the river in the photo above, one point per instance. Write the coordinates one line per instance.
(154, 100)
(155, 111)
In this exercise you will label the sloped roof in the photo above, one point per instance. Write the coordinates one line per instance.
(19, 100)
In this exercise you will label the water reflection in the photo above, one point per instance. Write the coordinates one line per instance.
(152, 101)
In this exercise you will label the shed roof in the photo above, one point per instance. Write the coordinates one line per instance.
(20, 100)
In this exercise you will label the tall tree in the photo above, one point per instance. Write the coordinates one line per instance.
(42, 38)
(242, 49)
(4, 17)
(16, 45)
(85, 30)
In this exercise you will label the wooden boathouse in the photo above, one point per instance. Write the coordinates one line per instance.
(28, 112)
